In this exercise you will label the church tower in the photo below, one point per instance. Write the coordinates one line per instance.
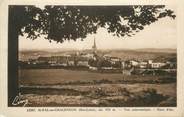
(94, 47)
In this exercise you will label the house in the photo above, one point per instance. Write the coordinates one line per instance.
(93, 68)
(143, 64)
(60, 60)
(157, 65)
(88, 55)
(171, 64)
(115, 60)
(134, 63)
(127, 64)
(82, 61)
(107, 68)
(107, 56)
(42, 59)
(150, 61)
(32, 61)
(122, 64)
(65, 60)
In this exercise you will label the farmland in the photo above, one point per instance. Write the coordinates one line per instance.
(59, 87)
(62, 76)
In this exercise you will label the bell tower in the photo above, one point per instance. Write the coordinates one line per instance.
(94, 47)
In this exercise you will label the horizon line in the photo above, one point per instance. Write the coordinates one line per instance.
(23, 49)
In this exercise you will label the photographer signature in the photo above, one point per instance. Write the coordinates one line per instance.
(18, 100)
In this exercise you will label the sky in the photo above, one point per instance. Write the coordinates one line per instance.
(161, 34)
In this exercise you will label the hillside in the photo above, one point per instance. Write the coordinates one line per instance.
(138, 54)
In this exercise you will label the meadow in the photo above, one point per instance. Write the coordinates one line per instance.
(60, 87)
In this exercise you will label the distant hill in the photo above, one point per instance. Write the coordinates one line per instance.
(124, 54)
(141, 54)
(165, 50)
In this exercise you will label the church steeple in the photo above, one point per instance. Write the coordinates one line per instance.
(94, 46)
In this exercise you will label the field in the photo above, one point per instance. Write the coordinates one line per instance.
(59, 87)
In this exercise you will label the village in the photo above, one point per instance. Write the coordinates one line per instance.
(97, 62)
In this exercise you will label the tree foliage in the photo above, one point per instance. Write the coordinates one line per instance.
(60, 23)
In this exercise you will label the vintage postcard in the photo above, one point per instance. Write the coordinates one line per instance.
(91, 58)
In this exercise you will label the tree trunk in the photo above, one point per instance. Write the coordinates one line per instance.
(12, 58)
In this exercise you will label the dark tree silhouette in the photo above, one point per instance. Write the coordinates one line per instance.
(60, 23)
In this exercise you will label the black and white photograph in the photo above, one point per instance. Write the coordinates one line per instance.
(92, 56)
